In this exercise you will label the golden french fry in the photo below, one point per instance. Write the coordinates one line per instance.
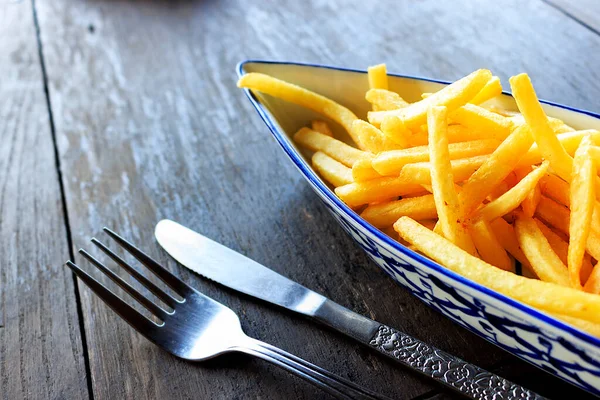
(452, 96)
(427, 223)
(513, 197)
(362, 170)
(587, 326)
(333, 171)
(593, 283)
(541, 256)
(491, 89)
(569, 140)
(558, 216)
(561, 248)
(542, 295)
(461, 169)
(334, 148)
(536, 119)
(488, 246)
(475, 117)
(384, 100)
(395, 130)
(502, 111)
(321, 127)
(496, 167)
(530, 202)
(303, 97)
(505, 233)
(442, 182)
(583, 200)
(378, 77)
(385, 214)
(372, 138)
(391, 162)
(379, 189)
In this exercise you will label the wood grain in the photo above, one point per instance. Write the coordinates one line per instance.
(41, 355)
(150, 125)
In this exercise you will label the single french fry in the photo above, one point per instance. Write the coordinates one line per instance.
(496, 167)
(385, 100)
(303, 97)
(475, 117)
(501, 111)
(461, 169)
(372, 138)
(321, 127)
(379, 189)
(542, 295)
(593, 283)
(333, 171)
(536, 119)
(558, 216)
(378, 77)
(514, 197)
(442, 182)
(395, 130)
(452, 96)
(334, 148)
(391, 162)
(505, 233)
(362, 170)
(385, 214)
(530, 202)
(569, 140)
(541, 256)
(488, 246)
(583, 200)
(561, 248)
(491, 89)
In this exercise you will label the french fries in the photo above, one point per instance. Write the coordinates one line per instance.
(490, 187)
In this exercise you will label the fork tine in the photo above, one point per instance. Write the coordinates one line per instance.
(140, 323)
(153, 308)
(161, 294)
(175, 283)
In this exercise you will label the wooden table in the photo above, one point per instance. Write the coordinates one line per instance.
(121, 113)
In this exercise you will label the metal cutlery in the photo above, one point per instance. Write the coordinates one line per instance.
(198, 328)
(231, 269)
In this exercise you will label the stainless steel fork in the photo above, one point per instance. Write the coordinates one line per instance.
(198, 328)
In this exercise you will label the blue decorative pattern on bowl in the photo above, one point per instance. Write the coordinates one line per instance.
(534, 336)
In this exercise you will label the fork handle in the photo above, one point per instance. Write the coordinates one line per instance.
(327, 381)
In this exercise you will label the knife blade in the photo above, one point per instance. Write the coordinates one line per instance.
(230, 268)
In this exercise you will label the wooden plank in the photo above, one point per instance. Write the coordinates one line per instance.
(41, 353)
(586, 12)
(150, 125)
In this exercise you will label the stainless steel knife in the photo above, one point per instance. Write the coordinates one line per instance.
(229, 268)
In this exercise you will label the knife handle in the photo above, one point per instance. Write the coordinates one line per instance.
(451, 371)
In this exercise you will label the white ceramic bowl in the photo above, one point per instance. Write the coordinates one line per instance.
(534, 336)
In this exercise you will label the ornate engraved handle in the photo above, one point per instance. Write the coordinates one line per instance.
(466, 378)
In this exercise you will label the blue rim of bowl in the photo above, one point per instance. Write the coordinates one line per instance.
(325, 191)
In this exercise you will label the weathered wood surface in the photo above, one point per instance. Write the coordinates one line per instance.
(149, 125)
(41, 354)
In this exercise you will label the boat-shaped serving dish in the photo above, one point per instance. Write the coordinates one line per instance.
(532, 335)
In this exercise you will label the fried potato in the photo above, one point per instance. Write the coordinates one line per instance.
(488, 246)
(542, 295)
(375, 190)
(442, 182)
(505, 234)
(391, 162)
(531, 200)
(475, 117)
(569, 140)
(385, 100)
(546, 264)
(321, 127)
(583, 200)
(495, 168)
(362, 170)
(395, 130)
(372, 138)
(303, 97)
(333, 171)
(384, 215)
(491, 89)
(513, 197)
(378, 77)
(593, 283)
(461, 169)
(334, 148)
(452, 96)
